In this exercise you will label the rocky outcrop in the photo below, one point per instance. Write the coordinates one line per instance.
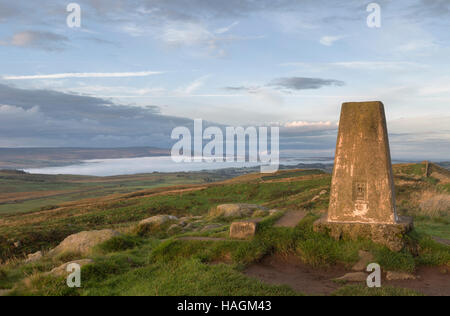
(83, 242)
(62, 269)
(158, 220)
(236, 210)
(34, 257)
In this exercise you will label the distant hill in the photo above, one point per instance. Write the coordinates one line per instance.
(18, 158)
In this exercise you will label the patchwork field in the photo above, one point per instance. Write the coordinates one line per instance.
(198, 258)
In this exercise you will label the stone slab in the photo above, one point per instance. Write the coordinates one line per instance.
(243, 229)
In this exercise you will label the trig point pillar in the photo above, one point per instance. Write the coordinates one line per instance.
(362, 200)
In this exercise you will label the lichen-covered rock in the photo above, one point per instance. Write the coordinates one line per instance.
(62, 269)
(83, 242)
(389, 235)
(157, 225)
(158, 220)
(394, 276)
(236, 210)
(353, 277)
(34, 257)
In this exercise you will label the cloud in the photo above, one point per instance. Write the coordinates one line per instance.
(85, 75)
(38, 39)
(227, 28)
(329, 40)
(301, 83)
(194, 86)
(49, 118)
(295, 124)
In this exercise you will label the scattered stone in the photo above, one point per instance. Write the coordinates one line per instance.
(157, 220)
(235, 210)
(34, 257)
(17, 244)
(62, 269)
(354, 277)
(272, 212)
(365, 258)
(243, 230)
(83, 242)
(394, 276)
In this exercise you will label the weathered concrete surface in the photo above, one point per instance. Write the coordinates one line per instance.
(389, 235)
(362, 188)
(243, 229)
(362, 198)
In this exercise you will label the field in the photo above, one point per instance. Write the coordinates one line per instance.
(202, 260)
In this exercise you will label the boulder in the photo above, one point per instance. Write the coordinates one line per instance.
(236, 210)
(157, 220)
(83, 242)
(34, 257)
(354, 277)
(394, 276)
(62, 269)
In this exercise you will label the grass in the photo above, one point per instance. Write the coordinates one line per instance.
(140, 263)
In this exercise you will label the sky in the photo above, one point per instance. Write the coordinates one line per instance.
(134, 70)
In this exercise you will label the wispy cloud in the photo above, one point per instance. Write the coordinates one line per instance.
(85, 75)
(329, 40)
(227, 28)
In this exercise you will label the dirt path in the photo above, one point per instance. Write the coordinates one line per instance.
(433, 281)
(290, 219)
(300, 277)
